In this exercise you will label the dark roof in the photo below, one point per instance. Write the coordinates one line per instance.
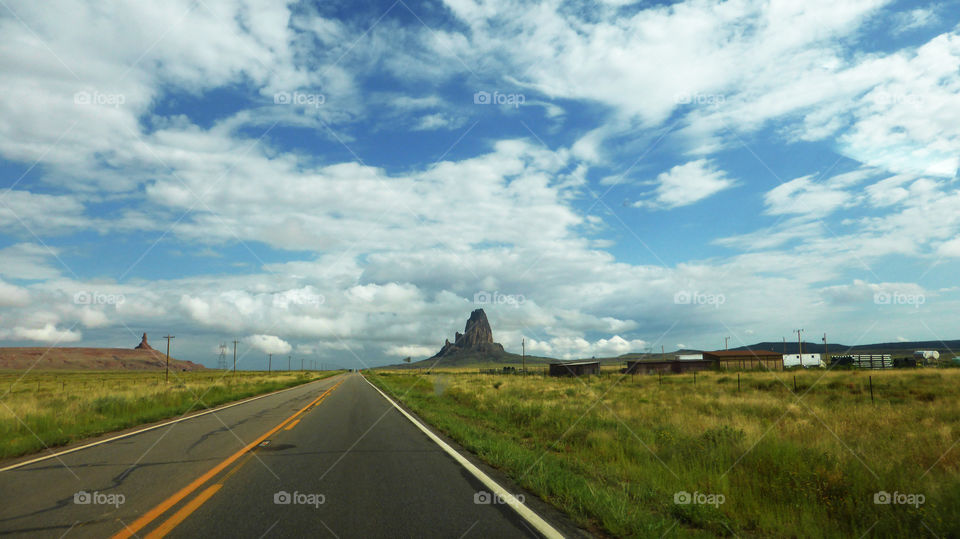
(740, 353)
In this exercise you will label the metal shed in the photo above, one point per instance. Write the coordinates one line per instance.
(746, 359)
(574, 368)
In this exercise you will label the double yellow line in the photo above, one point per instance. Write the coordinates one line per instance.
(179, 516)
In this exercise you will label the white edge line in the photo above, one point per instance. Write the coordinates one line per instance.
(525, 512)
(152, 427)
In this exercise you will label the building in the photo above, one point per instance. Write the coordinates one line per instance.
(806, 360)
(864, 361)
(742, 360)
(647, 366)
(689, 357)
(574, 368)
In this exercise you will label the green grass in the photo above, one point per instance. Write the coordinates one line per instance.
(613, 452)
(53, 408)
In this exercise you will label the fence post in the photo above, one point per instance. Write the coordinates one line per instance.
(871, 389)
(738, 382)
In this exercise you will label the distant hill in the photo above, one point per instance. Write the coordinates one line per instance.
(470, 359)
(41, 358)
(886, 347)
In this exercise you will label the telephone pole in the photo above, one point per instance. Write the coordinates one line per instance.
(523, 354)
(301, 364)
(288, 363)
(166, 376)
(799, 332)
(826, 353)
(269, 363)
(235, 356)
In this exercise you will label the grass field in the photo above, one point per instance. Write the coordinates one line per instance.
(52, 408)
(622, 455)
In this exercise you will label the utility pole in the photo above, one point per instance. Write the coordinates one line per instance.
(288, 363)
(784, 345)
(269, 363)
(799, 332)
(235, 356)
(726, 341)
(166, 376)
(301, 364)
(826, 352)
(523, 354)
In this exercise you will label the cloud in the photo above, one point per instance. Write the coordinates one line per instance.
(415, 352)
(268, 344)
(48, 333)
(686, 184)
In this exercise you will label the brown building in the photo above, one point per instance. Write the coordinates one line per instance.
(574, 368)
(742, 360)
(642, 366)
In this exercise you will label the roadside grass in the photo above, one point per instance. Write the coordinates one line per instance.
(616, 453)
(53, 408)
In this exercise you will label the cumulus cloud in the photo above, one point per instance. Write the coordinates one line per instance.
(48, 333)
(686, 184)
(268, 344)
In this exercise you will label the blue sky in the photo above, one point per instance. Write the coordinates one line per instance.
(347, 182)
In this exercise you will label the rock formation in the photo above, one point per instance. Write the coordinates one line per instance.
(476, 337)
(143, 344)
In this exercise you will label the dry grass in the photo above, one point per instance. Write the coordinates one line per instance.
(46, 409)
(613, 450)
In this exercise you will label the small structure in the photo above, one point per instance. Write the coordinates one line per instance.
(746, 359)
(574, 368)
(805, 360)
(926, 357)
(689, 357)
(647, 366)
(864, 361)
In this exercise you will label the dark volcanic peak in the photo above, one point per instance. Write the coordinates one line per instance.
(476, 337)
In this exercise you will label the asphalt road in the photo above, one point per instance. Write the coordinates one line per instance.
(328, 459)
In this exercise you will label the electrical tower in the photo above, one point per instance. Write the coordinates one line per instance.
(222, 360)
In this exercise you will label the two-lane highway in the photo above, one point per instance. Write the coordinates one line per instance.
(332, 458)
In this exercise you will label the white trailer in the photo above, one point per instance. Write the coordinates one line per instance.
(807, 360)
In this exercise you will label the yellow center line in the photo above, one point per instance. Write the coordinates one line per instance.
(184, 512)
(291, 425)
(165, 506)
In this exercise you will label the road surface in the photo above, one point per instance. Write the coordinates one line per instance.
(328, 459)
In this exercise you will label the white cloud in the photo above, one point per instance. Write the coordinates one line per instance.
(13, 296)
(48, 333)
(268, 344)
(413, 351)
(686, 184)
